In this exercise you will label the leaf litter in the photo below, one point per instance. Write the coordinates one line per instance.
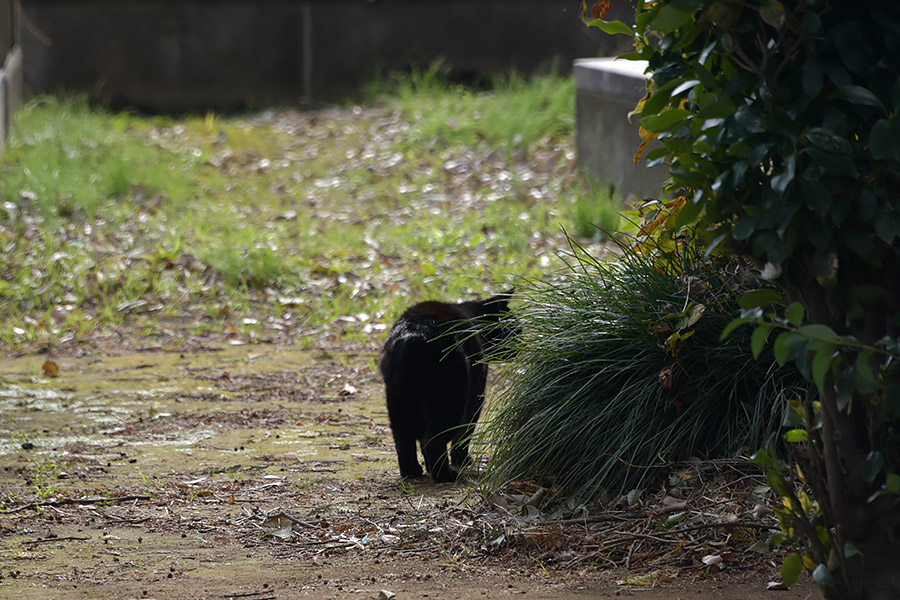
(290, 218)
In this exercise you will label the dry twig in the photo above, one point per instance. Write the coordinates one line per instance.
(64, 501)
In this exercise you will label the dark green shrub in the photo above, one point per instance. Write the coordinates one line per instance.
(779, 123)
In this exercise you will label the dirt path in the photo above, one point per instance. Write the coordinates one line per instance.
(262, 472)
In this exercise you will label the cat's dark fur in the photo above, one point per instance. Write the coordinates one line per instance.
(434, 368)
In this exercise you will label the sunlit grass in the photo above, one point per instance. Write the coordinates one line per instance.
(66, 157)
(513, 115)
(432, 191)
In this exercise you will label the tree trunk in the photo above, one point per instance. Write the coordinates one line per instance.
(877, 567)
(872, 527)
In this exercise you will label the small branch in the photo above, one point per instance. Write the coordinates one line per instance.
(297, 521)
(56, 539)
(586, 520)
(715, 525)
(734, 524)
(633, 537)
(65, 501)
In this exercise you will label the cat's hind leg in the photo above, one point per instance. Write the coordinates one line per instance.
(405, 425)
(405, 444)
(434, 447)
(459, 452)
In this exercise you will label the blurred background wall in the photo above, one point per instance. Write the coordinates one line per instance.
(171, 55)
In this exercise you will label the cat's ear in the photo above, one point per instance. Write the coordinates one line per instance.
(507, 295)
(503, 298)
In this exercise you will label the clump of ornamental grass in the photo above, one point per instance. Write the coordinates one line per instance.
(620, 371)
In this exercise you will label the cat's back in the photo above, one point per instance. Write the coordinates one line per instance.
(438, 313)
(410, 344)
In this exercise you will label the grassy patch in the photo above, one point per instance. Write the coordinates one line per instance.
(67, 158)
(513, 115)
(324, 221)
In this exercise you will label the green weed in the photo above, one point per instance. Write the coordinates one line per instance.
(46, 473)
(302, 484)
(595, 210)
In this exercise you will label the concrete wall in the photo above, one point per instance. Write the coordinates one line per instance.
(606, 90)
(10, 68)
(10, 89)
(198, 54)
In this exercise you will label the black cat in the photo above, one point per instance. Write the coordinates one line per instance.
(434, 368)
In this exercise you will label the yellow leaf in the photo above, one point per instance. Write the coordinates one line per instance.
(639, 107)
(653, 225)
(646, 138)
(676, 204)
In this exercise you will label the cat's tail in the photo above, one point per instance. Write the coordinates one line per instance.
(408, 358)
(396, 356)
(388, 362)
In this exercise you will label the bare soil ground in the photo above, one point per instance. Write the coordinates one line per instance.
(264, 471)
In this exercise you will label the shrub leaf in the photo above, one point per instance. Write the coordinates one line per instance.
(872, 466)
(612, 27)
(796, 435)
(794, 314)
(758, 298)
(820, 332)
(758, 339)
(791, 569)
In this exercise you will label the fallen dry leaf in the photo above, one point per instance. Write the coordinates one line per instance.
(50, 369)
(665, 378)
(599, 10)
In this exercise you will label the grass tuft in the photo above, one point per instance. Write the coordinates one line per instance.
(620, 371)
(595, 210)
(255, 268)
